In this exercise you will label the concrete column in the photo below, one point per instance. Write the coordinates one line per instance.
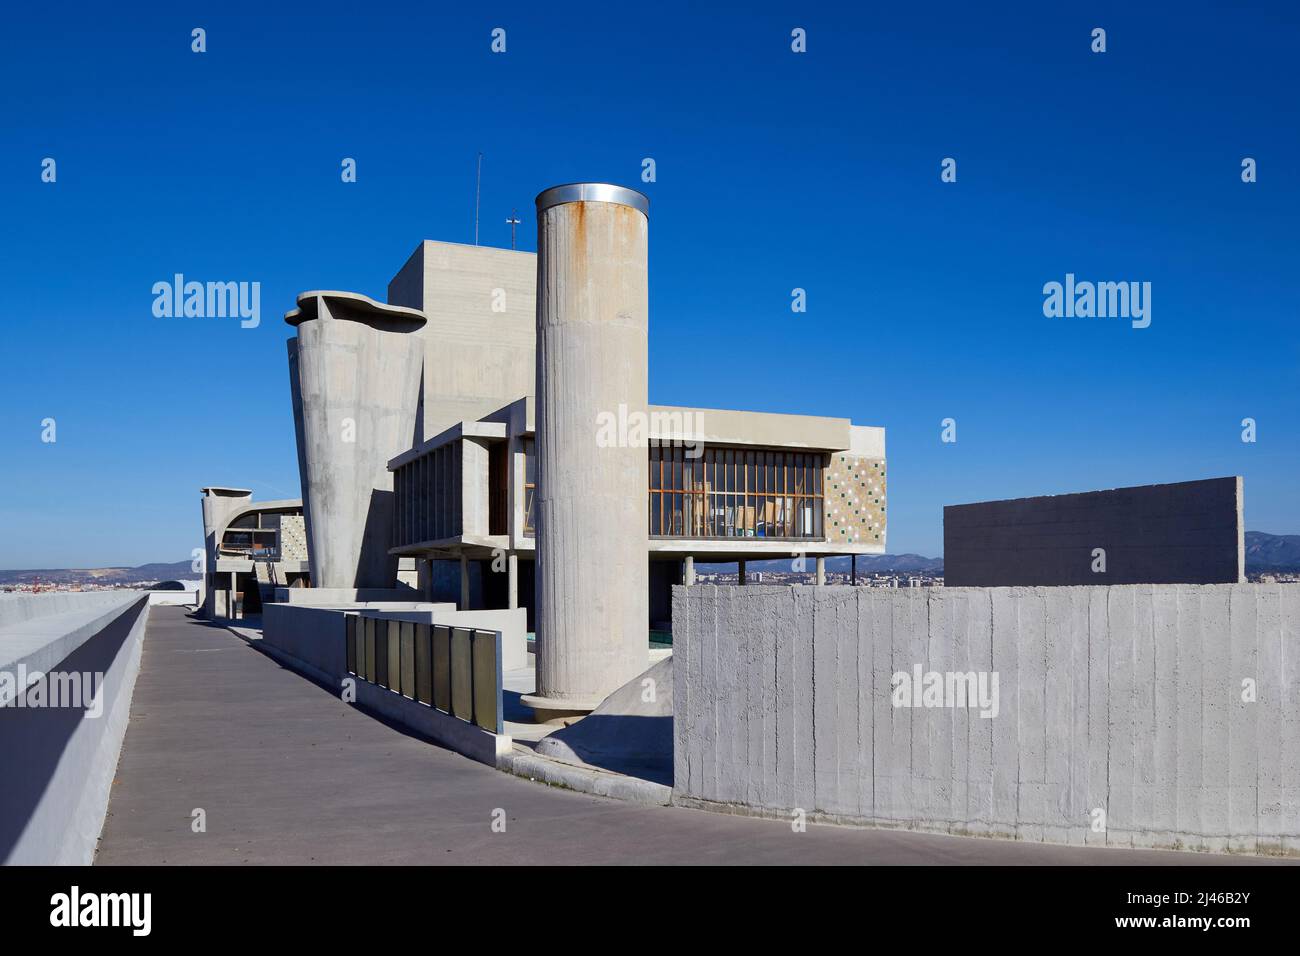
(821, 570)
(591, 507)
(740, 569)
(688, 572)
(512, 573)
(464, 582)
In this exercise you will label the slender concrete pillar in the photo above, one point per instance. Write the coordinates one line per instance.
(688, 573)
(512, 572)
(821, 570)
(592, 513)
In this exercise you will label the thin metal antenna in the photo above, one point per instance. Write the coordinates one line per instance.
(514, 220)
(478, 189)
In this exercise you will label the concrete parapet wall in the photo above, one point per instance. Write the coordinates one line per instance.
(1132, 702)
(76, 656)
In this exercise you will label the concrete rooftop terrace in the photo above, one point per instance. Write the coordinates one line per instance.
(289, 774)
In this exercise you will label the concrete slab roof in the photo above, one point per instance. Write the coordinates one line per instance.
(353, 306)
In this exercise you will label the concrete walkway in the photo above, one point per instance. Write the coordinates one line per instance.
(287, 773)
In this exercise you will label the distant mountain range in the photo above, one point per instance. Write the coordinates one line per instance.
(867, 564)
(145, 573)
(1272, 552)
(1264, 552)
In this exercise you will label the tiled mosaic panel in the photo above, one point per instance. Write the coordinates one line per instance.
(855, 500)
(293, 538)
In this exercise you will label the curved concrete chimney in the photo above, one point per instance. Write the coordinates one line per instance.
(354, 369)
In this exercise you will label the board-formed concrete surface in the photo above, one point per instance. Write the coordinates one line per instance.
(1143, 715)
(288, 774)
(1189, 532)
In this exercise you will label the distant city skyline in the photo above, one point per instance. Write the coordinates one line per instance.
(774, 172)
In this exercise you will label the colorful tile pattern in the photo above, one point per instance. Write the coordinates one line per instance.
(855, 500)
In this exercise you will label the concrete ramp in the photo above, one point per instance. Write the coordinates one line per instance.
(627, 733)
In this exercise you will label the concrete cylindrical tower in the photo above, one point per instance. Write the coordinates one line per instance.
(592, 320)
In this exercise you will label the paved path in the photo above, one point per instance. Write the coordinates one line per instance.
(287, 773)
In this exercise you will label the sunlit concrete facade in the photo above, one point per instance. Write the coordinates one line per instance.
(500, 396)
(355, 368)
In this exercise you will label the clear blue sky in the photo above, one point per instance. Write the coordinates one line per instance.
(775, 171)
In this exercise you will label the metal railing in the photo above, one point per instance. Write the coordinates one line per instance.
(456, 670)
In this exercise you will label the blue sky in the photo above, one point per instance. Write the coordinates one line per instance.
(775, 170)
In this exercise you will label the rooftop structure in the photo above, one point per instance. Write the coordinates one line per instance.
(490, 425)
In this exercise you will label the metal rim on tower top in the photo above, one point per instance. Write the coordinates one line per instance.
(593, 192)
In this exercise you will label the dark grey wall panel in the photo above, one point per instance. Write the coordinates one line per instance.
(1189, 532)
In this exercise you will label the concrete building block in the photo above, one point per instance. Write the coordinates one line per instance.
(479, 352)
(1188, 532)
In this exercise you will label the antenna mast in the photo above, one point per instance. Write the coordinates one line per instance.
(513, 221)
(478, 188)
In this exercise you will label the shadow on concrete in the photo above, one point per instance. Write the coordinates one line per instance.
(631, 732)
(334, 692)
(622, 743)
(33, 739)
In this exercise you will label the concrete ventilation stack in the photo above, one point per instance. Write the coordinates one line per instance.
(592, 322)
(354, 369)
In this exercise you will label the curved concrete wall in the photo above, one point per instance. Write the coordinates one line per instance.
(355, 370)
(592, 576)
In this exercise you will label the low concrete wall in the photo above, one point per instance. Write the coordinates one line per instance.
(311, 640)
(57, 762)
(1188, 532)
(1123, 716)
